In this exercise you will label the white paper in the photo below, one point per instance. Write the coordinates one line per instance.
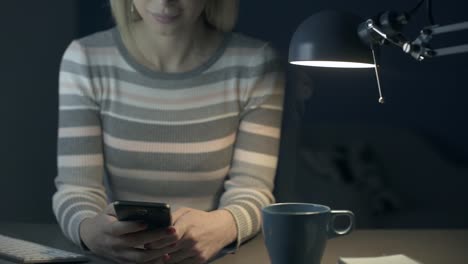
(393, 259)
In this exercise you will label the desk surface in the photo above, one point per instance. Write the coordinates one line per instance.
(426, 246)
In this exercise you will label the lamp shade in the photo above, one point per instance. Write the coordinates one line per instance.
(330, 39)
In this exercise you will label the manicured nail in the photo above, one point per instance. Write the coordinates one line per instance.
(171, 230)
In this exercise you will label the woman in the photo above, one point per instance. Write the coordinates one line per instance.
(169, 106)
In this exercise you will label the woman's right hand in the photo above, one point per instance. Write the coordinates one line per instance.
(108, 237)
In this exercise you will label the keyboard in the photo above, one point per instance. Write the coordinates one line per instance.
(21, 251)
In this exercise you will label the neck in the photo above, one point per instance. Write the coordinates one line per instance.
(174, 52)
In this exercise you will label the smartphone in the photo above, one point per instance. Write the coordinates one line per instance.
(156, 215)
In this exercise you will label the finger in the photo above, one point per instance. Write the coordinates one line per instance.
(157, 261)
(110, 219)
(179, 256)
(144, 256)
(180, 225)
(110, 210)
(150, 236)
(138, 255)
(120, 228)
(179, 213)
(182, 251)
(193, 260)
(170, 242)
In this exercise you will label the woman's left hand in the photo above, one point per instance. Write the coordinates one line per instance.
(201, 235)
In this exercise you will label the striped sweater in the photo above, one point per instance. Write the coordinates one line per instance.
(206, 139)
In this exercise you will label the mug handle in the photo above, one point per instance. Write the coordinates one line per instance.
(332, 231)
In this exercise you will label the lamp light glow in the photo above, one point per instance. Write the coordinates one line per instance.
(334, 64)
(330, 39)
(334, 39)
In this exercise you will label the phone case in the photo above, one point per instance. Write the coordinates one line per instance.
(156, 215)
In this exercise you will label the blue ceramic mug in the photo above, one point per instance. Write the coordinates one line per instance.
(297, 233)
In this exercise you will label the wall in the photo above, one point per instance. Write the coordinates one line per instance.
(33, 37)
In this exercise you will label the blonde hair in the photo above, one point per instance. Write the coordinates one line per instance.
(220, 14)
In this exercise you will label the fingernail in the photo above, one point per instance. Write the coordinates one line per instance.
(171, 230)
(167, 257)
(173, 245)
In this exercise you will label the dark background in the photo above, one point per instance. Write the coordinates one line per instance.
(402, 164)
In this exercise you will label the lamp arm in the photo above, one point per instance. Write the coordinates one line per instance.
(388, 30)
(420, 48)
(397, 41)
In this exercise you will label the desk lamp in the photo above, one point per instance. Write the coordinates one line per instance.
(342, 40)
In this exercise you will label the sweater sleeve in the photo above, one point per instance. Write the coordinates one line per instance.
(80, 190)
(251, 178)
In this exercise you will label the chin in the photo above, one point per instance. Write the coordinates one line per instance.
(165, 30)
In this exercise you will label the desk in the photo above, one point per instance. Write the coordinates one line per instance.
(427, 246)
